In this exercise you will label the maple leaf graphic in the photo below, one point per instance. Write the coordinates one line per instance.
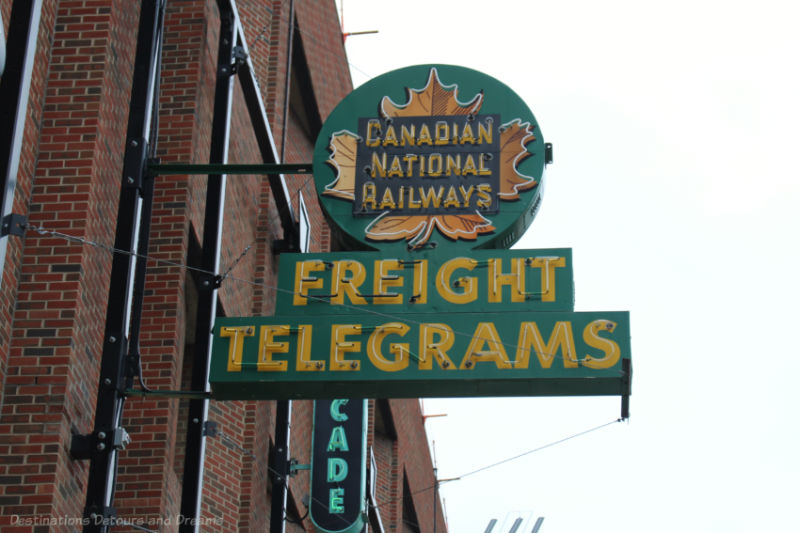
(343, 160)
(434, 99)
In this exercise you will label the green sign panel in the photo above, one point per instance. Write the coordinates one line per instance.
(430, 155)
(428, 175)
(421, 355)
(429, 282)
(338, 466)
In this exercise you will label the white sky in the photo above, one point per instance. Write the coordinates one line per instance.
(675, 130)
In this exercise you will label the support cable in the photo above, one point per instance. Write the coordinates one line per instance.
(275, 288)
(233, 444)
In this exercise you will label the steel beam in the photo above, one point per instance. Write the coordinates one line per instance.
(15, 83)
(194, 460)
(264, 169)
(279, 467)
(266, 145)
(103, 444)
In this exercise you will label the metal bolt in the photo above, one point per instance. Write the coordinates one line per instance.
(112, 339)
(196, 420)
(130, 179)
(134, 143)
(101, 435)
(107, 382)
(101, 446)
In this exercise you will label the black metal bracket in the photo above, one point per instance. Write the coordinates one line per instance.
(239, 59)
(87, 446)
(132, 364)
(208, 281)
(548, 153)
(135, 162)
(13, 224)
(210, 428)
(265, 169)
(101, 515)
(626, 390)
(295, 467)
(280, 246)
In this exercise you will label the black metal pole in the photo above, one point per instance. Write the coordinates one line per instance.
(287, 87)
(279, 466)
(283, 416)
(209, 262)
(266, 146)
(103, 444)
(23, 29)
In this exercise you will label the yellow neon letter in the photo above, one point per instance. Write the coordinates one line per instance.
(400, 350)
(610, 349)
(340, 346)
(236, 346)
(304, 281)
(407, 135)
(267, 346)
(378, 165)
(304, 361)
(341, 284)
(390, 137)
(443, 284)
(485, 133)
(515, 279)
(548, 266)
(486, 334)
(371, 126)
(430, 349)
(442, 132)
(368, 196)
(384, 280)
(530, 337)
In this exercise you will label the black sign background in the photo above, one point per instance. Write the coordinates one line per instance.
(353, 483)
(417, 181)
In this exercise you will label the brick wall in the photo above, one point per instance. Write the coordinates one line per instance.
(417, 461)
(55, 290)
(27, 164)
(59, 309)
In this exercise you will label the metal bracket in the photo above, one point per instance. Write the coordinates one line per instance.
(210, 428)
(13, 224)
(87, 446)
(548, 153)
(209, 281)
(99, 516)
(295, 467)
(132, 363)
(626, 390)
(280, 246)
(260, 169)
(134, 163)
(239, 59)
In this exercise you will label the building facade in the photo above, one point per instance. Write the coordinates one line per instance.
(114, 265)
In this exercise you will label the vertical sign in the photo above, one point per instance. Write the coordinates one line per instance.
(338, 465)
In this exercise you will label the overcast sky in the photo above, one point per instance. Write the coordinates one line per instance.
(675, 182)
